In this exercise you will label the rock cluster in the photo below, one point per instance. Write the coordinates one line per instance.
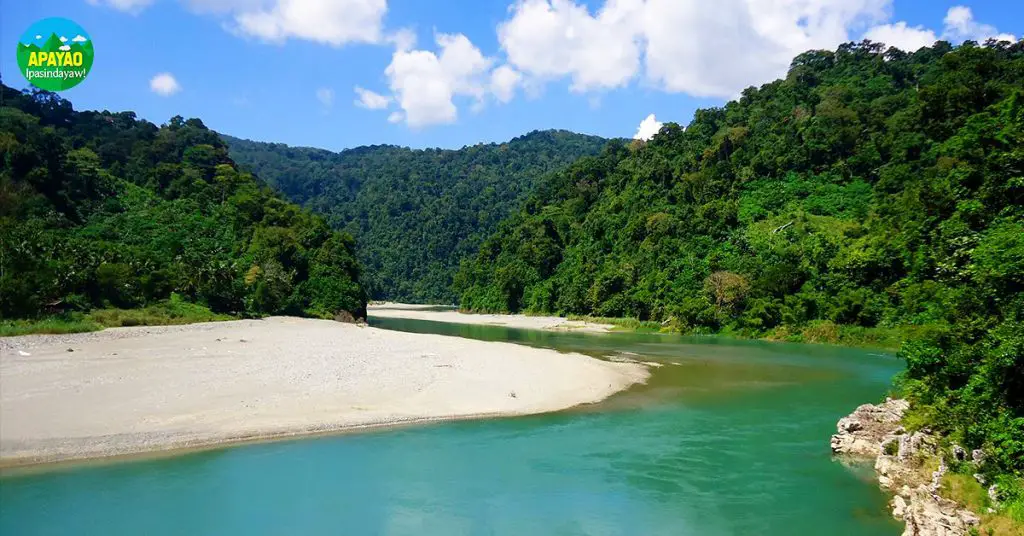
(874, 431)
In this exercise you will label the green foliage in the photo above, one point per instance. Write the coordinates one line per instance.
(416, 214)
(53, 325)
(101, 210)
(169, 312)
(868, 196)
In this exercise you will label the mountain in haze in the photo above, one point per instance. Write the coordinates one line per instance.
(415, 214)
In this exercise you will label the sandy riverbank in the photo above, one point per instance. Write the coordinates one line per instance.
(427, 312)
(130, 390)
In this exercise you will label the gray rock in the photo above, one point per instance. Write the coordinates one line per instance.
(862, 432)
(867, 431)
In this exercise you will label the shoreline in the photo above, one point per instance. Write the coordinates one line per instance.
(153, 390)
(27, 465)
(517, 321)
(882, 340)
(909, 466)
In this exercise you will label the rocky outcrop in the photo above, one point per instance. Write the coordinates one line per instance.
(874, 431)
(862, 432)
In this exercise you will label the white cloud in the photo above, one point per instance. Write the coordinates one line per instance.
(549, 40)
(648, 128)
(504, 81)
(709, 49)
(705, 49)
(129, 6)
(424, 83)
(164, 84)
(325, 96)
(79, 39)
(902, 36)
(403, 39)
(63, 39)
(396, 117)
(331, 22)
(64, 47)
(958, 26)
(39, 37)
(371, 100)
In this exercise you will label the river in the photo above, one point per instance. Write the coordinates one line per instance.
(727, 438)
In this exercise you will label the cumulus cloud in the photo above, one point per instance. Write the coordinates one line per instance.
(708, 49)
(425, 83)
(39, 37)
(325, 96)
(331, 22)
(371, 100)
(902, 36)
(128, 6)
(396, 117)
(648, 128)
(551, 39)
(164, 84)
(64, 47)
(960, 25)
(705, 49)
(504, 81)
(63, 39)
(79, 39)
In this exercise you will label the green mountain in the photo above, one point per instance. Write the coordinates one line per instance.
(103, 210)
(416, 214)
(52, 44)
(869, 192)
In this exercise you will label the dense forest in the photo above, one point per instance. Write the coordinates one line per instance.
(415, 214)
(100, 209)
(870, 189)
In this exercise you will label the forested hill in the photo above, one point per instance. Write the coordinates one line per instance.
(100, 209)
(415, 213)
(868, 189)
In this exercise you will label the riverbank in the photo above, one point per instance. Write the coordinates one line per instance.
(430, 312)
(928, 497)
(171, 312)
(129, 390)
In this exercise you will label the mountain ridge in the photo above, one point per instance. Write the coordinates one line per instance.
(416, 213)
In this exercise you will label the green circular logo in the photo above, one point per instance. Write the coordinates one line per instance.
(55, 54)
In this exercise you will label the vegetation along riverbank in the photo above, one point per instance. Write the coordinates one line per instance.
(870, 189)
(870, 197)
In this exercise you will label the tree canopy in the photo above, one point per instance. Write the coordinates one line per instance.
(415, 214)
(101, 209)
(868, 189)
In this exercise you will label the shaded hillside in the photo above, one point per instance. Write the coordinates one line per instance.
(869, 190)
(415, 213)
(100, 209)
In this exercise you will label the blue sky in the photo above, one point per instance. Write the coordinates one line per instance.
(459, 72)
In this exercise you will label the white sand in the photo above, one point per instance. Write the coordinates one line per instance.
(130, 390)
(423, 312)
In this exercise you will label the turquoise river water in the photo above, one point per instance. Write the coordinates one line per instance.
(728, 438)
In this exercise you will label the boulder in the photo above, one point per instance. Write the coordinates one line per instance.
(875, 431)
(862, 432)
